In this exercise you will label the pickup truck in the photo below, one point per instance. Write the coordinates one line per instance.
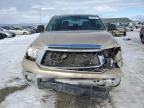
(116, 31)
(73, 52)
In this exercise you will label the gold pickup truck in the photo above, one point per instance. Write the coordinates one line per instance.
(116, 31)
(73, 51)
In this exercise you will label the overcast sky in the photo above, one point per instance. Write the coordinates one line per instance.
(28, 11)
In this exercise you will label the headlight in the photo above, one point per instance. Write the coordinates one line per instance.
(119, 59)
(33, 53)
(114, 57)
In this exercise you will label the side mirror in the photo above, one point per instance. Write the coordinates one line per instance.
(40, 28)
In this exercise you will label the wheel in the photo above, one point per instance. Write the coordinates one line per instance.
(114, 34)
(2, 36)
(142, 39)
(124, 34)
(24, 33)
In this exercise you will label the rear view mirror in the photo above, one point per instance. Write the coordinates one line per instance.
(40, 28)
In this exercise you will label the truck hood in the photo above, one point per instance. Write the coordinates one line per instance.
(102, 38)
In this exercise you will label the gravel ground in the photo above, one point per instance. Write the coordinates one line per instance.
(15, 93)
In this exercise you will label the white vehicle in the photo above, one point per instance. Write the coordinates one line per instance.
(130, 28)
(7, 33)
(20, 31)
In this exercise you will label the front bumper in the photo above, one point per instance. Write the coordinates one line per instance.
(32, 73)
(80, 90)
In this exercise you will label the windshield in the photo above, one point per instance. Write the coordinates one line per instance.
(68, 23)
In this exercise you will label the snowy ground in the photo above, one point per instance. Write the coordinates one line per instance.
(14, 93)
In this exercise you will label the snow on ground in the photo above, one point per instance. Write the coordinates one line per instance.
(130, 94)
(12, 51)
(30, 98)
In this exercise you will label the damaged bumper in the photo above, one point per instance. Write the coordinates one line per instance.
(36, 75)
(80, 90)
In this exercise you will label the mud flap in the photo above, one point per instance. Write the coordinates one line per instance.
(77, 90)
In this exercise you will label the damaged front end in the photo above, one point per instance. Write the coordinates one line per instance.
(93, 60)
(84, 60)
(68, 69)
(73, 60)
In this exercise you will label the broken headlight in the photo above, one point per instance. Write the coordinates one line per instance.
(119, 58)
(113, 57)
(32, 53)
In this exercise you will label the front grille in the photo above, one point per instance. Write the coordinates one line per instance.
(71, 59)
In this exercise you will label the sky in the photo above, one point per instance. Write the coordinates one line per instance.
(40, 11)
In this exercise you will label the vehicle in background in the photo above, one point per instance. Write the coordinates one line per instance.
(116, 31)
(129, 28)
(74, 52)
(31, 29)
(7, 27)
(40, 28)
(139, 25)
(7, 33)
(19, 31)
(2, 35)
(142, 35)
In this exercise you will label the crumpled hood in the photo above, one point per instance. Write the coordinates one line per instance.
(102, 38)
